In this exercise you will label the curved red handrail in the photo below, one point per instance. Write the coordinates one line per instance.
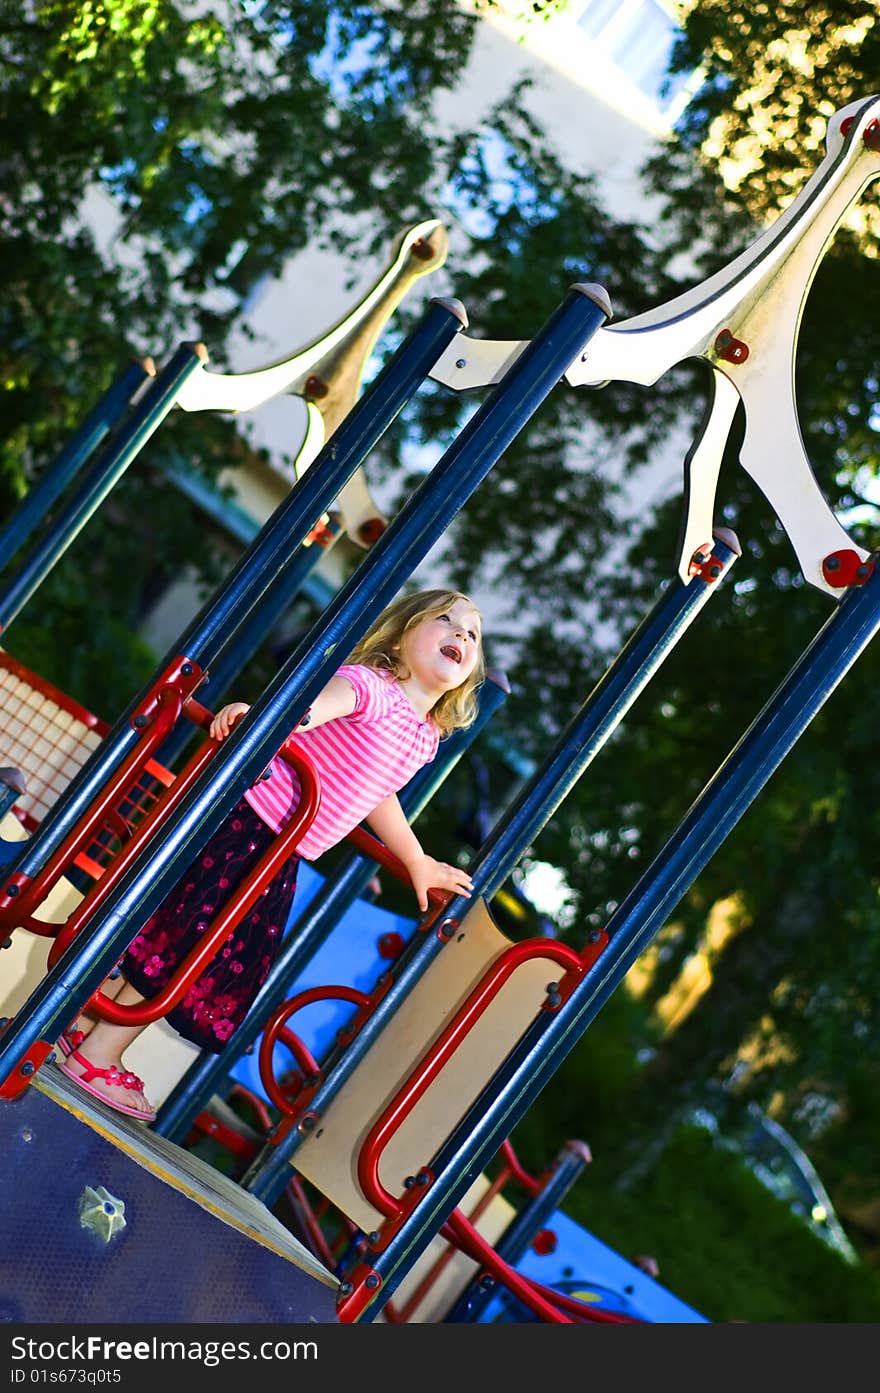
(223, 924)
(599, 1315)
(272, 1033)
(512, 1163)
(435, 1059)
(440, 1264)
(466, 1237)
(121, 862)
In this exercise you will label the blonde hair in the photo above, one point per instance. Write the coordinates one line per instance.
(380, 648)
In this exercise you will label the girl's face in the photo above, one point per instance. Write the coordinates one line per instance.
(441, 653)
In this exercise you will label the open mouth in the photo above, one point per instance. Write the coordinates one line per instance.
(450, 651)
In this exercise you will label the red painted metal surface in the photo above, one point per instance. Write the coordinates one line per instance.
(439, 1054)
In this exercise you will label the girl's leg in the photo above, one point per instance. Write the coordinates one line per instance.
(76, 1034)
(103, 1050)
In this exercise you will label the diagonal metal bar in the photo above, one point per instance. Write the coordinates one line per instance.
(631, 927)
(242, 757)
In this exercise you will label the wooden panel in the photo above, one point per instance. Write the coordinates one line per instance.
(329, 1157)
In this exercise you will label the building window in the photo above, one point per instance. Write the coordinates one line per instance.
(638, 36)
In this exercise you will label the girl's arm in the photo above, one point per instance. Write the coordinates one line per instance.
(335, 700)
(391, 827)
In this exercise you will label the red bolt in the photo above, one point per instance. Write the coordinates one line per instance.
(316, 388)
(391, 945)
(544, 1242)
(371, 530)
(843, 568)
(732, 350)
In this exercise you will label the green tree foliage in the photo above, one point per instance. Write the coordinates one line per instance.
(218, 144)
(224, 140)
(788, 1018)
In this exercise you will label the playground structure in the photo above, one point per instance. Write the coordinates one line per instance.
(392, 1120)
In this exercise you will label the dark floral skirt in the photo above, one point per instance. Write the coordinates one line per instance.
(217, 1002)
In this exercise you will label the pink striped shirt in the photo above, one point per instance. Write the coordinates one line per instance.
(360, 758)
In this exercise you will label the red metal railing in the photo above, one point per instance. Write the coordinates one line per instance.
(242, 900)
(155, 717)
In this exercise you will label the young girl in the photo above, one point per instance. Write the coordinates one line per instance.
(411, 680)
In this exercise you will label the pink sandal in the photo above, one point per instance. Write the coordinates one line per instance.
(70, 1040)
(122, 1078)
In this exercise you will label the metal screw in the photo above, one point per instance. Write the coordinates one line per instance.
(27, 1068)
(871, 136)
(461, 362)
(12, 891)
(373, 1237)
(423, 1178)
(832, 563)
(345, 1288)
(373, 1281)
(186, 669)
(409, 1182)
(139, 722)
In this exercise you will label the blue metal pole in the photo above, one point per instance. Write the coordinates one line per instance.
(254, 740)
(536, 802)
(646, 908)
(247, 639)
(271, 552)
(35, 505)
(143, 419)
(521, 1231)
(306, 934)
(12, 787)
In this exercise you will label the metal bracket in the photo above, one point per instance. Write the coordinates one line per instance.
(744, 321)
(327, 372)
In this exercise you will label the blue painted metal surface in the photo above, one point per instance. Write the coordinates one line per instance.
(583, 1267)
(35, 506)
(530, 1220)
(250, 634)
(12, 786)
(350, 957)
(143, 419)
(188, 1250)
(714, 813)
(269, 555)
(242, 757)
(319, 909)
(577, 746)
